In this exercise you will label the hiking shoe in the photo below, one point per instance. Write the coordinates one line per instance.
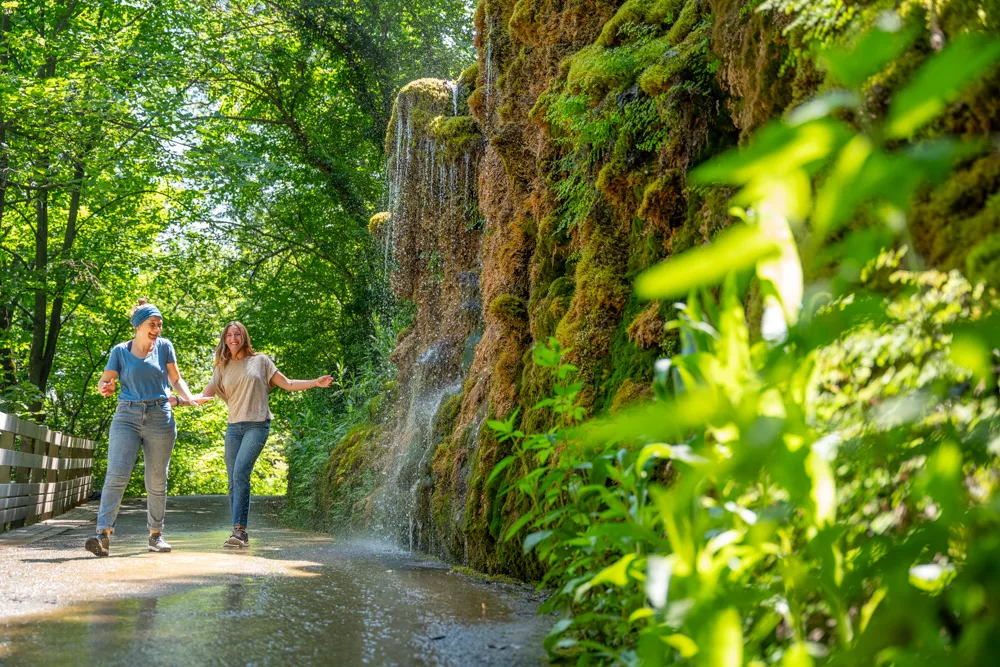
(99, 545)
(157, 543)
(238, 539)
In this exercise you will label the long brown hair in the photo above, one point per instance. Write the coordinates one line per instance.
(222, 354)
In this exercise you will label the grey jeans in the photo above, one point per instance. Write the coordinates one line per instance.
(149, 425)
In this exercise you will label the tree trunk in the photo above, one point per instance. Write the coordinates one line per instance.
(40, 308)
(55, 319)
(7, 366)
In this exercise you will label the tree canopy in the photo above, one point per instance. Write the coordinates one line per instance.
(221, 158)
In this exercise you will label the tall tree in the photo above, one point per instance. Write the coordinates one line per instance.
(91, 93)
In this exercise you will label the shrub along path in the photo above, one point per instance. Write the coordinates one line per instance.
(293, 597)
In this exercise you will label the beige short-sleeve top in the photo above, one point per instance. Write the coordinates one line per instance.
(244, 386)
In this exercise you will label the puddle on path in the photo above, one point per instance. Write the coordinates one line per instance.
(294, 598)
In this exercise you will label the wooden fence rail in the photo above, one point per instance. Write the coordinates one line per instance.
(42, 473)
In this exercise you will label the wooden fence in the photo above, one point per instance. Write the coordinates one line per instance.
(42, 473)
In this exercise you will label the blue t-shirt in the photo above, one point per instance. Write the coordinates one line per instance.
(142, 379)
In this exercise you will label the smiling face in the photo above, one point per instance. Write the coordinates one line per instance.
(234, 340)
(149, 330)
(234, 343)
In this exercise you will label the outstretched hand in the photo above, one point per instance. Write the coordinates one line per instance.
(324, 381)
(106, 388)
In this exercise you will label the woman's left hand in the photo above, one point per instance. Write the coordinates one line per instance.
(324, 381)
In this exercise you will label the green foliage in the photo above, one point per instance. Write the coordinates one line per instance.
(617, 106)
(983, 262)
(817, 490)
(819, 20)
(323, 422)
(221, 159)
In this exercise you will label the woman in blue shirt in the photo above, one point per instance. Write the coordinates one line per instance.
(147, 367)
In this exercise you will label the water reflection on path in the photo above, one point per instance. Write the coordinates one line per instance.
(293, 598)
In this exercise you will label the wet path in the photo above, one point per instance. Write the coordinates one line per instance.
(291, 598)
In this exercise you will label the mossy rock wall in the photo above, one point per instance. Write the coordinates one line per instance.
(592, 112)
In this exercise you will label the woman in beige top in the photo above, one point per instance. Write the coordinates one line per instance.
(243, 378)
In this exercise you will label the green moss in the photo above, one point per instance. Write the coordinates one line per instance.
(509, 142)
(596, 70)
(523, 22)
(953, 218)
(444, 420)
(983, 261)
(609, 173)
(636, 18)
(625, 364)
(563, 286)
(686, 22)
(469, 76)
(630, 393)
(509, 309)
(377, 223)
(479, 576)
(459, 134)
(645, 246)
(421, 102)
(346, 485)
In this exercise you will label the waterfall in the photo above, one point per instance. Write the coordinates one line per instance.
(488, 86)
(397, 172)
(431, 257)
(456, 91)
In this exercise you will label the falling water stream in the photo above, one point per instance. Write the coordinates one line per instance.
(429, 193)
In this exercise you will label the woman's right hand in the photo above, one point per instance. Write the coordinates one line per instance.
(106, 388)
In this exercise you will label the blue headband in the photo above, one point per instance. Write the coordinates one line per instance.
(144, 312)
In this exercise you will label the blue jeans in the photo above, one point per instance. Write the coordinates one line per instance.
(244, 443)
(146, 424)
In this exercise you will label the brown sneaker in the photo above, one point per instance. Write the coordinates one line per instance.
(99, 545)
(238, 539)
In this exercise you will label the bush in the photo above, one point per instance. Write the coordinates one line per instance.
(826, 493)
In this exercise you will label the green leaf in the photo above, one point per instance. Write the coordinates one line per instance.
(822, 106)
(774, 151)
(737, 248)
(683, 644)
(616, 575)
(823, 492)
(641, 613)
(499, 468)
(840, 193)
(868, 610)
(662, 420)
(971, 352)
(853, 65)
(553, 638)
(733, 348)
(521, 522)
(561, 626)
(939, 82)
(534, 539)
(797, 655)
(721, 642)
